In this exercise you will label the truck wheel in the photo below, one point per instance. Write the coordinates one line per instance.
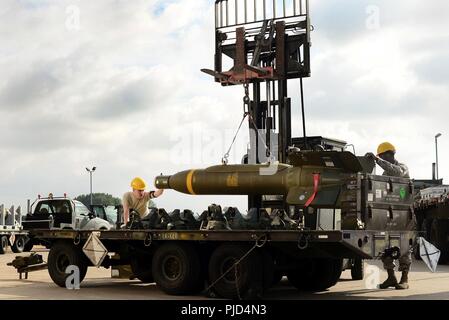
(438, 236)
(319, 275)
(176, 269)
(277, 277)
(28, 245)
(268, 271)
(141, 268)
(63, 254)
(242, 281)
(3, 244)
(18, 245)
(357, 270)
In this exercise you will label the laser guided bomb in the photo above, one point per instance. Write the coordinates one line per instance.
(307, 178)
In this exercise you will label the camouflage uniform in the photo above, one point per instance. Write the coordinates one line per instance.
(393, 169)
(396, 170)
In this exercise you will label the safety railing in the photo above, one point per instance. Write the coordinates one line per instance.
(232, 13)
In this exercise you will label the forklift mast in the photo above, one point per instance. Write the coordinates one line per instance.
(266, 43)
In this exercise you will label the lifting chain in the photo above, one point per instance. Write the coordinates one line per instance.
(246, 113)
(246, 103)
(77, 239)
(246, 99)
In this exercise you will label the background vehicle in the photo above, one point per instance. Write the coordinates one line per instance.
(107, 213)
(432, 214)
(63, 213)
(11, 230)
(55, 213)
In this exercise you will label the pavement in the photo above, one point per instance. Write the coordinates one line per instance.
(99, 285)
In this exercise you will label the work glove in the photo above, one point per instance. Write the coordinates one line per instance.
(371, 156)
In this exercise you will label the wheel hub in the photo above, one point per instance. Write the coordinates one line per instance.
(171, 267)
(62, 262)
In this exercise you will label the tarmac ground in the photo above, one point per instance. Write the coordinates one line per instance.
(98, 284)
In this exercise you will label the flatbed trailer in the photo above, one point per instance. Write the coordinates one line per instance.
(231, 264)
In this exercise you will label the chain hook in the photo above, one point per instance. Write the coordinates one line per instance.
(148, 240)
(77, 239)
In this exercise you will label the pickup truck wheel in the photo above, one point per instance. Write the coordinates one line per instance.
(357, 270)
(318, 275)
(141, 268)
(62, 255)
(177, 270)
(3, 244)
(438, 237)
(243, 280)
(28, 245)
(18, 245)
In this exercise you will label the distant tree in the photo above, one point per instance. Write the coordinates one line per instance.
(99, 198)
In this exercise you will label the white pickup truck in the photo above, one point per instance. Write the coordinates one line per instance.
(61, 213)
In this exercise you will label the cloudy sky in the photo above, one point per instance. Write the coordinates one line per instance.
(116, 84)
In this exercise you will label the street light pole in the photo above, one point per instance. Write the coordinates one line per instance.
(91, 171)
(436, 151)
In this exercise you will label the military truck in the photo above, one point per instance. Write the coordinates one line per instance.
(185, 254)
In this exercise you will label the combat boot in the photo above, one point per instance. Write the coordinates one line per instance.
(403, 284)
(391, 280)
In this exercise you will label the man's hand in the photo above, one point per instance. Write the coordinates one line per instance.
(158, 193)
(371, 156)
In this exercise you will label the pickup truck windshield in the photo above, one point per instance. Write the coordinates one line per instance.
(53, 207)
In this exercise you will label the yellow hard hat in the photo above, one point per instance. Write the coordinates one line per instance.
(384, 147)
(138, 184)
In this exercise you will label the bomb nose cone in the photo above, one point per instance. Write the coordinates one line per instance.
(181, 181)
(162, 182)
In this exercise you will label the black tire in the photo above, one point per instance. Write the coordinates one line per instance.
(268, 271)
(438, 237)
(141, 268)
(4, 242)
(176, 269)
(248, 272)
(338, 269)
(426, 228)
(316, 274)
(358, 269)
(18, 245)
(63, 254)
(278, 275)
(28, 245)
